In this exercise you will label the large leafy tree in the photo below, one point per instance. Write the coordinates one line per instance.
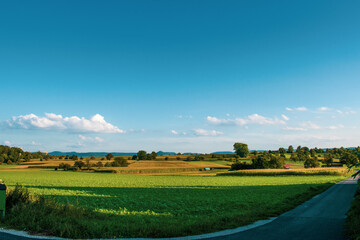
(141, 155)
(241, 149)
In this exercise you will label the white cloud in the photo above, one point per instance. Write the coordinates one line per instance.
(52, 121)
(301, 109)
(286, 118)
(90, 139)
(310, 125)
(251, 119)
(99, 139)
(295, 129)
(178, 133)
(203, 132)
(182, 116)
(7, 143)
(323, 109)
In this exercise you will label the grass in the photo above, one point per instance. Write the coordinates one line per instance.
(154, 206)
(353, 217)
(281, 172)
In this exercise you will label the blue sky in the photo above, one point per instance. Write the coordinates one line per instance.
(189, 76)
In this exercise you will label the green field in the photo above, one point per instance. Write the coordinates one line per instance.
(164, 206)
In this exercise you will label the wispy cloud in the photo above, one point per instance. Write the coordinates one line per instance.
(178, 133)
(203, 132)
(7, 143)
(251, 119)
(295, 129)
(90, 139)
(52, 121)
(286, 118)
(324, 109)
(301, 109)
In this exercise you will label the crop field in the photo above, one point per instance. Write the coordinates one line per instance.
(167, 206)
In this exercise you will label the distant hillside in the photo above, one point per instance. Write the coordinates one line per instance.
(225, 152)
(89, 154)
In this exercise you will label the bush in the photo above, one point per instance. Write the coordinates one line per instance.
(276, 162)
(19, 195)
(311, 163)
(64, 166)
(261, 162)
(241, 166)
(120, 162)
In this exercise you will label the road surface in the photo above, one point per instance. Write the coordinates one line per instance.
(322, 217)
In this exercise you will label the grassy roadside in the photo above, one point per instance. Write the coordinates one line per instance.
(43, 216)
(353, 216)
(97, 205)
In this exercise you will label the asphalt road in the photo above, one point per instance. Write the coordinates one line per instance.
(322, 217)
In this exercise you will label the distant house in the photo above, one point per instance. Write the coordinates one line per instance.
(287, 166)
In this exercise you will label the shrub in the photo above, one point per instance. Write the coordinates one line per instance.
(120, 162)
(261, 162)
(17, 196)
(276, 162)
(311, 163)
(64, 166)
(241, 166)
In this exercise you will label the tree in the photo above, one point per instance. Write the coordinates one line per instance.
(328, 160)
(120, 162)
(109, 156)
(99, 164)
(261, 162)
(74, 157)
(349, 159)
(282, 150)
(241, 149)
(92, 158)
(79, 164)
(311, 163)
(290, 149)
(141, 155)
(276, 162)
(153, 155)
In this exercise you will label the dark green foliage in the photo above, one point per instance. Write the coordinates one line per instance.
(261, 162)
(120, 162)
(290, 149)
(276, 162)
(349, 159)
(11, 155)
(109, 156)
(64, 166)
(241, 149)
(311, 163)
(153, 155)
(199, 158)
(241, 166)
(141, 155)
(99, 164)
(353, 217)
(282, 150)
(79, 164)
(328, 160)
(18, 195)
